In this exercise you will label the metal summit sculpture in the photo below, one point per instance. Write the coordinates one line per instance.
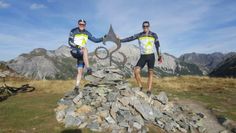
(111, 36)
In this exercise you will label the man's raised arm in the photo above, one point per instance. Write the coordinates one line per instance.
(128, 39)
(94, 39)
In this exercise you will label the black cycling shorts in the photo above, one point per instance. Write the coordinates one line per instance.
(76, 53)
(148, 59)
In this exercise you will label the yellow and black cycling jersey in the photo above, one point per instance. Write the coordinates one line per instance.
(78, 38)
(147, 42)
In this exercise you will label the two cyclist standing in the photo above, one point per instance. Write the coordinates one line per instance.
(148, 41)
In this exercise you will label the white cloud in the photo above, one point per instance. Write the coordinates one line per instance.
(167, 19)
(183, 26)
(176, 23)
(4, 4)
(23, 42)
(36, 6)
(217, 41)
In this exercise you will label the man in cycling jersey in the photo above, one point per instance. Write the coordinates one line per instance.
(77, 40)
(148, 41)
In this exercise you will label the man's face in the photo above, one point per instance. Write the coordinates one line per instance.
(81, 25)
(146, 27)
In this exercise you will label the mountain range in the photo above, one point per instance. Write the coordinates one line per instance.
(206, 62)
(58, 64)
(227, 68)
(45, 64)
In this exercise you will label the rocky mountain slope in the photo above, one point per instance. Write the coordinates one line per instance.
(58, 64)
(45, 64)
(6, 71)
(171, 65)
(206, 62)
(227, 68)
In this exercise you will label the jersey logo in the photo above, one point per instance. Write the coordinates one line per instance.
(146, 44)
(81, 39)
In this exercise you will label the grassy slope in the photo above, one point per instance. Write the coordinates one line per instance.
(218, 94)
(33, 112)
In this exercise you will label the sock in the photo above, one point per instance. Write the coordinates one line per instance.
(77, 83)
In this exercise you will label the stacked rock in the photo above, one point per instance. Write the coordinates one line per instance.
(110, 103)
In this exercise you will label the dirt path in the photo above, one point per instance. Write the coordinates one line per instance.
(209, 120)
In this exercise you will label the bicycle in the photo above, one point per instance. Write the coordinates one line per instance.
(7, 91)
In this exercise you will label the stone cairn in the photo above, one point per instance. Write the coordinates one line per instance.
(109, 103)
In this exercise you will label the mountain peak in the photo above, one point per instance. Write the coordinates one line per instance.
(206, 62)
(63, 50)
(38, 51)
(58, 63)
(226, 68)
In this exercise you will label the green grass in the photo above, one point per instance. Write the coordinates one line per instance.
(34, 112)
(31, 113)
(221, 104)
(216, 94)
(218, 103)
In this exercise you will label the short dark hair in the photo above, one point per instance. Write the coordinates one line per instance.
(146, 22)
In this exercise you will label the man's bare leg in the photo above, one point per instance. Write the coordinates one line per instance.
(85, 57)
(78, 78)
(138, 76)
(150, 79)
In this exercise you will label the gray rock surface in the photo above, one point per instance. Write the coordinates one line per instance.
(111, 104)
(72, 121)
(44, 64)
(206, 62)
(162, 97)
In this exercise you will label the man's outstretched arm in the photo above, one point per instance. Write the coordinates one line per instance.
(94, 39)
(128, 39)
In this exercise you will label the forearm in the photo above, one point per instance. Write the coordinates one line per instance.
(96, 40)
(157, 45)
(71, 43)
(128, 39)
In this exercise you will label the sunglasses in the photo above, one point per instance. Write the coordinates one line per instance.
(82, 24)
(145, 26)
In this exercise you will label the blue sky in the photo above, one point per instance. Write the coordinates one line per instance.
(183, 26)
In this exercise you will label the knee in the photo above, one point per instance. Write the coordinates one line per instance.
(150, 72)
(80, 72)
(136, 70)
